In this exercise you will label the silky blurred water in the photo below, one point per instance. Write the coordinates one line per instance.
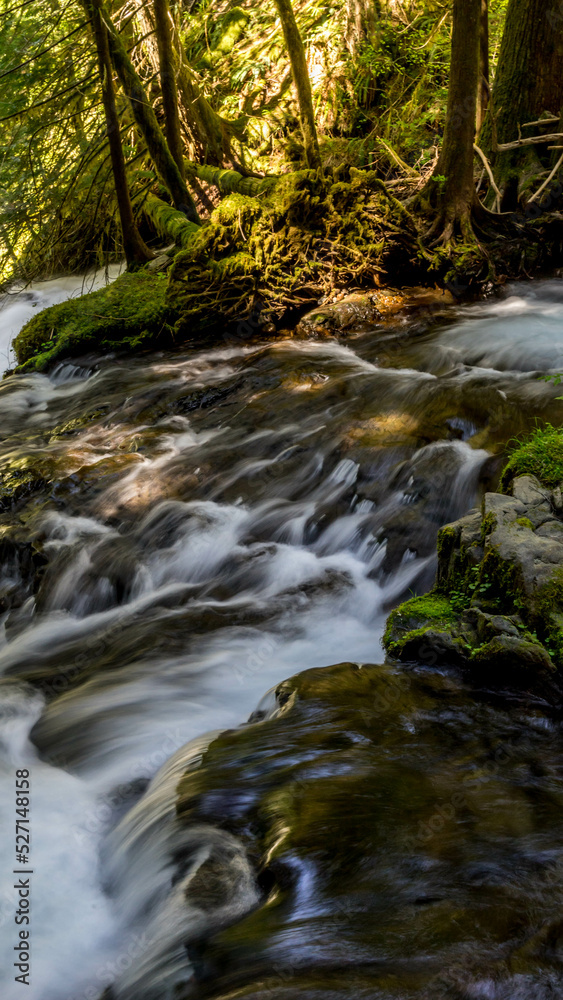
(207, 523)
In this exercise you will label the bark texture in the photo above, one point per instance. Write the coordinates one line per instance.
(136, 251)
(451, 189)
(300, 73)
(168, 82)
(362, 17)
(146, 120)
(528, 82)
(483, 88)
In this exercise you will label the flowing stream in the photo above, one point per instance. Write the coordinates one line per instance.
(205, 524)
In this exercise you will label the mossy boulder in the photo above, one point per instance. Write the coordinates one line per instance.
(262, 256)
(408, 625)
(498, 604)
(127, 314)
(541, 455)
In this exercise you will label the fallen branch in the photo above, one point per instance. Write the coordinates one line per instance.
(170, 222)
(396, 159)
(535, 140)
(487, 167)
(542, 121)
(229, 180)
(548, 180)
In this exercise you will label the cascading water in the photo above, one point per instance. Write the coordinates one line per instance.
(204, 525)
(19, 305)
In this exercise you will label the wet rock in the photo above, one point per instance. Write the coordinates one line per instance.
(508, 654)
(381, 305)
(501, 572)
(19, 484)
(357, 802)
(433, 648)
(489, 626)
(22, 565)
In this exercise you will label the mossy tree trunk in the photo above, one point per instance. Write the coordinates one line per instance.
(450, 191)
(136, 252)
(362, 17)
(483, 88)
(296, 52)
(168, 82)
(146, 120)
(210, 133)
(528, 82)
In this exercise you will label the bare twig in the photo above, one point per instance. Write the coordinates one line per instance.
(548, 180)
(487, 167)
(542, 121)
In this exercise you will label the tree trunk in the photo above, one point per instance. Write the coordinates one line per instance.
(168, 82)
(210, 133)
(362, 17)
(528, 82)
(451, 189)
(146, 120)
(296, 52)
(483, 88)
(136, 252)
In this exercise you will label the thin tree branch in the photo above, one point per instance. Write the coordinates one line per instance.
(487, 167)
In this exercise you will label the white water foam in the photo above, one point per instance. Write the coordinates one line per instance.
(19, 305)
(102, 741)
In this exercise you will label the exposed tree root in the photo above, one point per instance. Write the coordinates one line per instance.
(292, 242)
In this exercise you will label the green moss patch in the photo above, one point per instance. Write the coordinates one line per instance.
(125, 315)
(259, 257)
(540, 455)
(414, 618)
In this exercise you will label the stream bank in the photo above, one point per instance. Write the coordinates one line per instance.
(265, 259)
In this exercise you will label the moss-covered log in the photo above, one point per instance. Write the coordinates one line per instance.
(169, 222)
(145, 118)
(229, 181)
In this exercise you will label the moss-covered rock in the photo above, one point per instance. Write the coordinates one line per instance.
(412, 620)
(261, 256)
(541, 455)
(125, 315)
(498, 604)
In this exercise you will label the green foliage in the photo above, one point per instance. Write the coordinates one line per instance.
(540, 455)
(380, 105)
